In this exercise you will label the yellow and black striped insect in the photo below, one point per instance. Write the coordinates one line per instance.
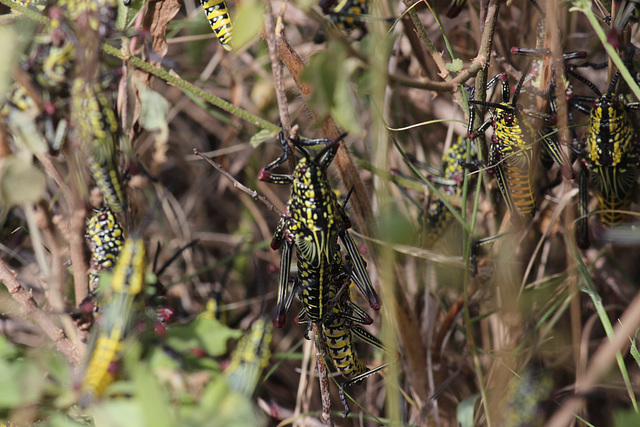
(346, 15)
(250, 357)
(512, 152)
(434, 216)
(217, 13)
(105, 239)
(96, 126)
(609, 153)
(115, 321)
(454, 168)
(312, 223)
(38, 4)
(38, 100)
(339, 328)
(90, 16)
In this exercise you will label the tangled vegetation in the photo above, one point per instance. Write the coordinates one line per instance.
(478, 252)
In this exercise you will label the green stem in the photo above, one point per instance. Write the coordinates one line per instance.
(179, 82)
(590, 289)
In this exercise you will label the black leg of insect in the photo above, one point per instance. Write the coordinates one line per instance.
(312, 223)
(340, 274)
(217, 13)
(609, 155)
(512, 148)
(116, 320)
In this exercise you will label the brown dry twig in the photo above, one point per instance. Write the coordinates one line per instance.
(323, 377)
(35, 313)
(254, 194)
(75, 234)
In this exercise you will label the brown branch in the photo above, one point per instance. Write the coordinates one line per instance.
(269, 34)
(323, 377)
(47, 164)
(75, 234)
(254, 194)
(35, 313)
(56, 277)
(344, 164)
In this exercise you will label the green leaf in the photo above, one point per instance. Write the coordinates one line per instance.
(153, 110)
(465, 411)
(118, 412)
(8, 40)
(6, 348)
(221, 407)
(344, 109)
(21, 383)
(326, 74)
(153, 398)
(634, 350)
(153, 117)
(127, 14)
(20, 181)
(455, 66)
(59, 420)
(248, 23)
(626, 418)
(207, 334)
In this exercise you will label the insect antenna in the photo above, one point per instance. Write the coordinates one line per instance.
(524, 75)
(585, 81)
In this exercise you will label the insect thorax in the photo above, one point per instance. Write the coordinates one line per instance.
(511, 133)
(610, 136)
(313, 201)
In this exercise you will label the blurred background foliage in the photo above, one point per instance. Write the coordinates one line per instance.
(506, 347)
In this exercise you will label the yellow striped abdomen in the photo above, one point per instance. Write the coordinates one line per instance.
(100, 373)
(339, 341)
(520, 187)
(217, 13)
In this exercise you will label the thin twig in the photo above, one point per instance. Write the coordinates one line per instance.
(324, 378)
(344, 164)
(254, 194)
(269, 33)
(35, 313)
(55, 282)
(47, 164)
(75, 234)
(276, 68)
